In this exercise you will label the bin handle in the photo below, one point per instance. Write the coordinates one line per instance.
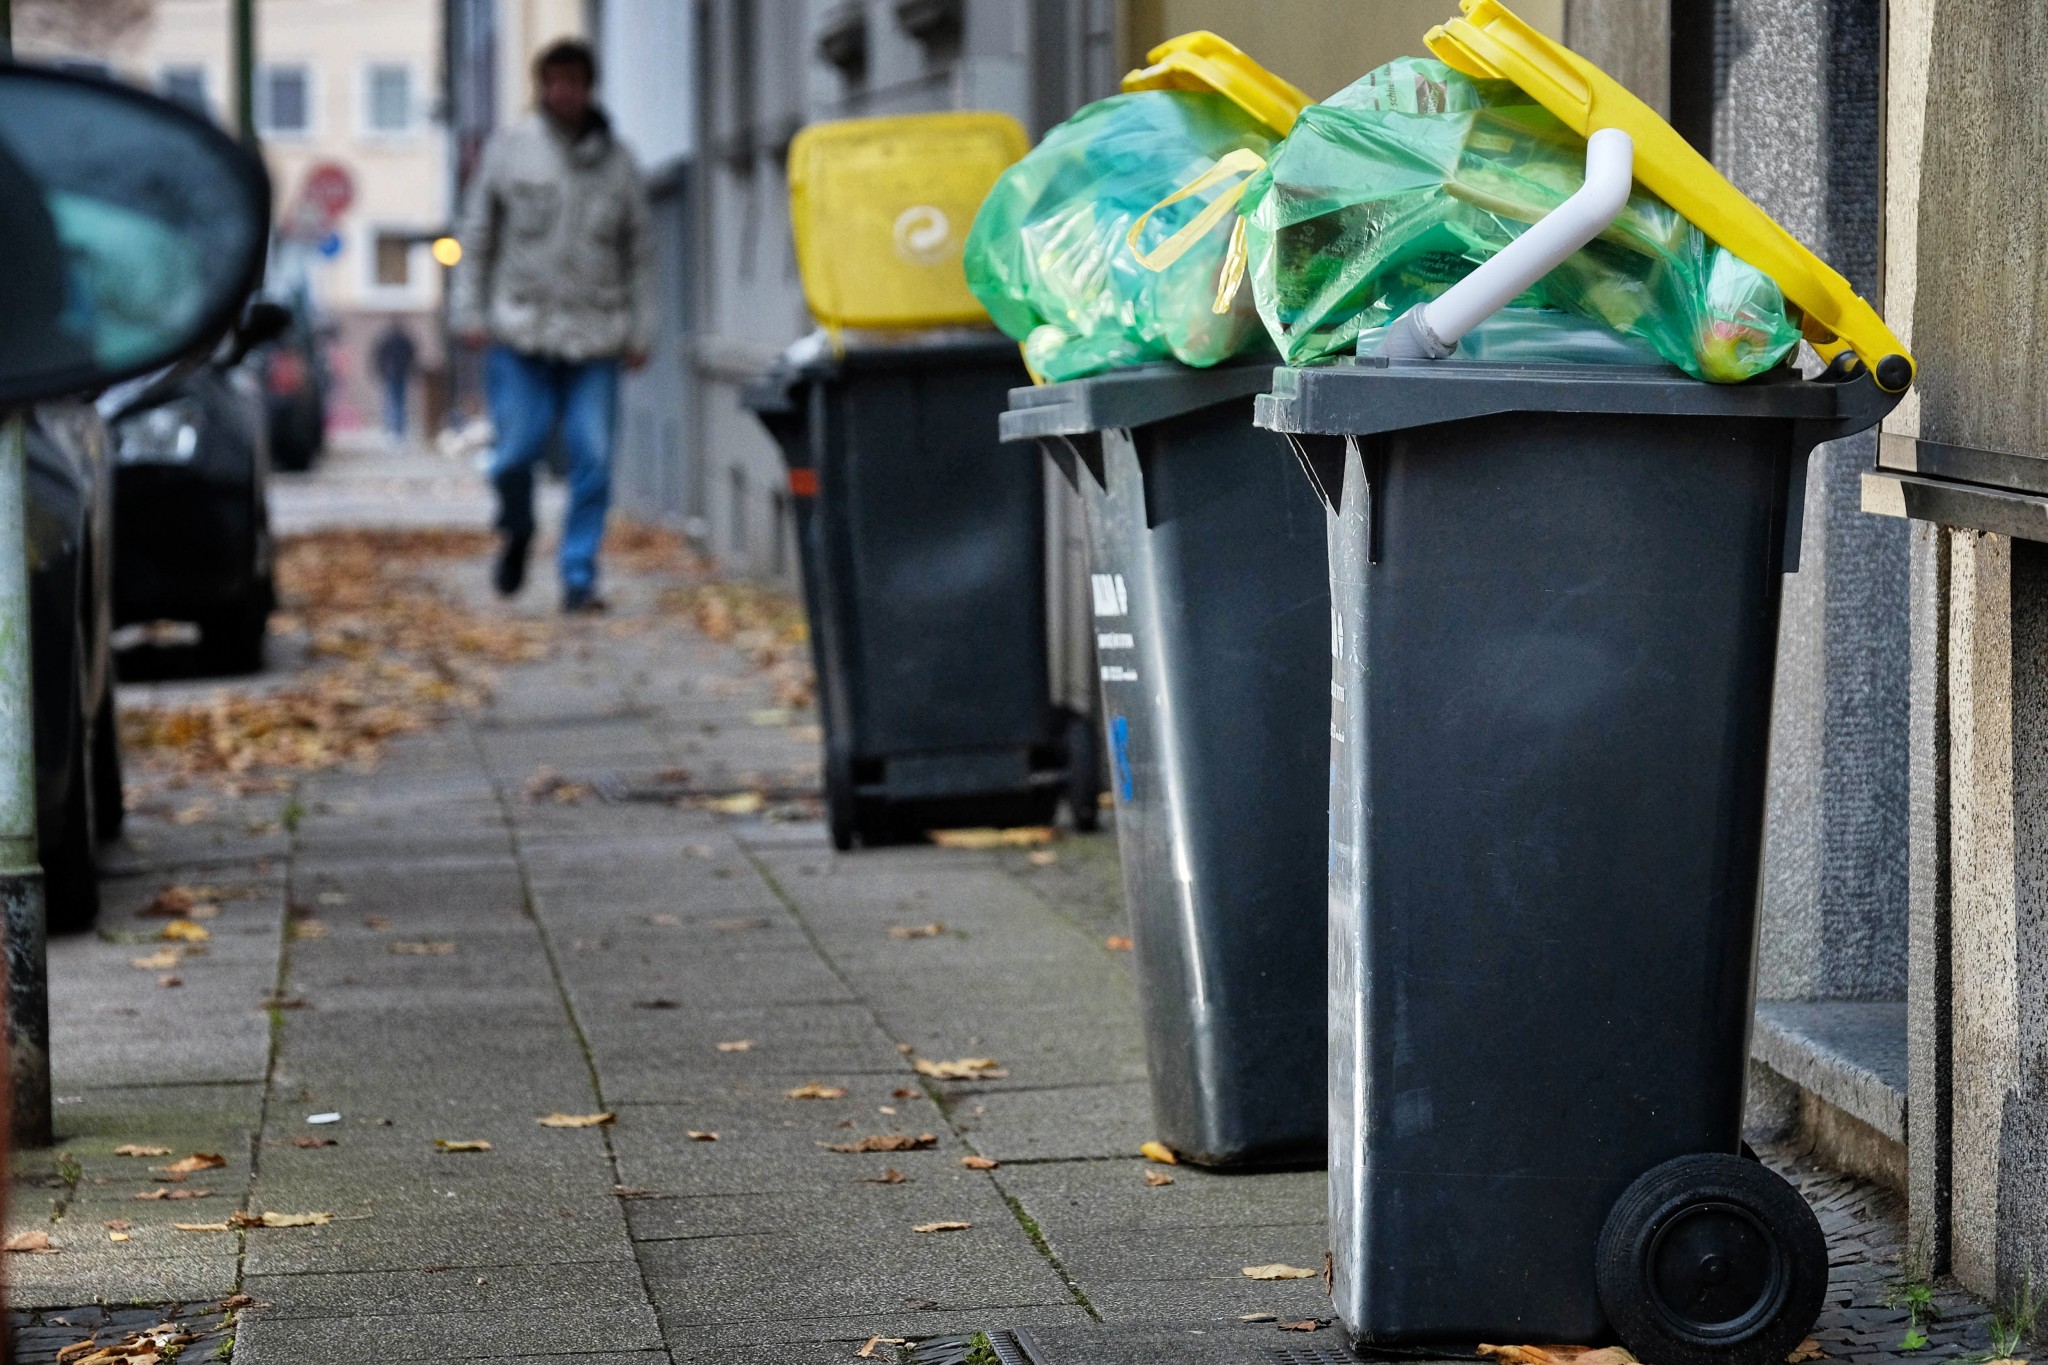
(1431, 331)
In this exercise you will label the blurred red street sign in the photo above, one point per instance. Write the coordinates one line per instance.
(329, 188)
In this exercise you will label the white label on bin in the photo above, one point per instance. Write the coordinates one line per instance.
(1111, 597)
(1112, 640)
(1118, 673)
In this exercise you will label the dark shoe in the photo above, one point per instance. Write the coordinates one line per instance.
(582, 602)
(509, 574)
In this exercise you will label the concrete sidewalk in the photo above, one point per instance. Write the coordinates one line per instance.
(443, 951)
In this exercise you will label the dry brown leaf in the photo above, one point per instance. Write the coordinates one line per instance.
(165, 1192)
(916, 930)
(34, 1242)
(158, 960)
(312, 1142)
(867, 1351)
(1260, 1316)
(309, 929)
(1305, 1325)
(1158, 1151)
(1277, 1271)
(118, 1237)
(741, 803)
(1157, 1178)
(885, 1142)
(1117, 943)
(979, 1163)
(377, 922)
(184, 931)
(1021, 837)
(294, 1220)
(169, 980)
(1810, 1349)
(1558, 1355)
(815, 1091)
(560, 1120)
(198, 1161)
(461, 1145)
(1042, 857)
(429, 948)
(889, 1176)
(135, 1149)
(737, 1045)
(696, 1135)
(942, 1226)
(965, 1069)
(194, 813)
(202, 1227)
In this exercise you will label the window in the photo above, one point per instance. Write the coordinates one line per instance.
(387, 98)
(284, 100)
(391, 260)
(184, 84)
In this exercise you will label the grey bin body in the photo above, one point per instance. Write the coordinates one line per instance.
(1212, 619)
(1556, 606)
(922, 540)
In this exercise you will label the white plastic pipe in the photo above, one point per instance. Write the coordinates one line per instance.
(1434, 329)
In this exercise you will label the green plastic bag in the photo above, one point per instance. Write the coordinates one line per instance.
(1049, 258)
(1397, 186)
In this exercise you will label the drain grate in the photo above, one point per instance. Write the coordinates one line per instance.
(1309, 1355)
(1009, 1349)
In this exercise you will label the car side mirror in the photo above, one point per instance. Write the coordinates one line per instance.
(262, 322)
(131, 229)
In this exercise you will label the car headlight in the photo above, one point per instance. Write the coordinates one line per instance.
(167, 434)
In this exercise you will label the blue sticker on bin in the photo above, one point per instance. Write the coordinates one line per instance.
(1120, 750)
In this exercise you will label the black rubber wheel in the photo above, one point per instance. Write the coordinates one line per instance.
(1712, 1260)
(109, 810)
(231, 640)
(70, 852)
(841, 806)
(1084, 774)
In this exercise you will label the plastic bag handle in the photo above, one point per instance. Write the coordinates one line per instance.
(1242, 162)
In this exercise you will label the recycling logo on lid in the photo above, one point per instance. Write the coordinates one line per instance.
(923, 232)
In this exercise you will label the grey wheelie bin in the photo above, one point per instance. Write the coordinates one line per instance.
(1555, 596)
(922, 540)
(1212, 619)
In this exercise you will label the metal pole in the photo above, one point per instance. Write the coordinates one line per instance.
(21, 876)
(245, 69)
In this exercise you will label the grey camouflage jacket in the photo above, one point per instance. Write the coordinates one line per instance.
(556, 259)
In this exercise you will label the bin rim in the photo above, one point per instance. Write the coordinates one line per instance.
(1130, 397)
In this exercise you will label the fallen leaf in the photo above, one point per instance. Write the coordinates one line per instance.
(201, 1227)
(1159, 1152)
(376, 922)
(903, 1093)
(560, 1120)
(665, 921)
(198, 1161)
(309, 929)
(885, 1142)
(889, 1176)
(966, 1069)
(942, 1227)
(194, 813)
(165, 1192)
(737, 1045)
(1277, 1271)
(118, 1237)
(867, 1352)
(429, 948)
(171, 902)
(1117, 943)
(815, 1091)
(1021, 837)
(1157, 1178)
(237, 1301)
(311, 1142)
(916, 930)
(184, 931)
(658, 1004)
(132, 1149)
(696, 1136)
(279, 1220)
(1043, 857)
(461, 1145)
(285, 1002)
(33, 1242)
(743, 803)
(1258, 1317)
(979, 1163)
(1809, 1349)
(158, 960)
(1305, 1325)
(169, 980)
(1559, 1355)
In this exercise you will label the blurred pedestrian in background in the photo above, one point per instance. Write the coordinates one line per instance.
(396, 357)
(556, 279)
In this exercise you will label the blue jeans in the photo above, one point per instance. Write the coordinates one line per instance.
(394, 407)
(531, 396)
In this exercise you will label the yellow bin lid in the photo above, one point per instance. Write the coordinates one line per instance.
(880, 207)
(1490, 42)
(1204, 62)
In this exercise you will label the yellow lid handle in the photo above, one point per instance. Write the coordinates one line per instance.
(1493, 43)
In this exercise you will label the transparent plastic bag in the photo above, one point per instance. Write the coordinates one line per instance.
(1048, 254)
(1396, 187)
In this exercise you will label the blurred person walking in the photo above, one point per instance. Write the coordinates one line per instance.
(396, 356)
(556, 279)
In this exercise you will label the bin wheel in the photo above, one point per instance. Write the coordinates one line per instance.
(1709, 1259)
(840, 802)
(1084, 773)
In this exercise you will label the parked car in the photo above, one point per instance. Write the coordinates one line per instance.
(78, 754)
(295, 392)
(191, 520)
